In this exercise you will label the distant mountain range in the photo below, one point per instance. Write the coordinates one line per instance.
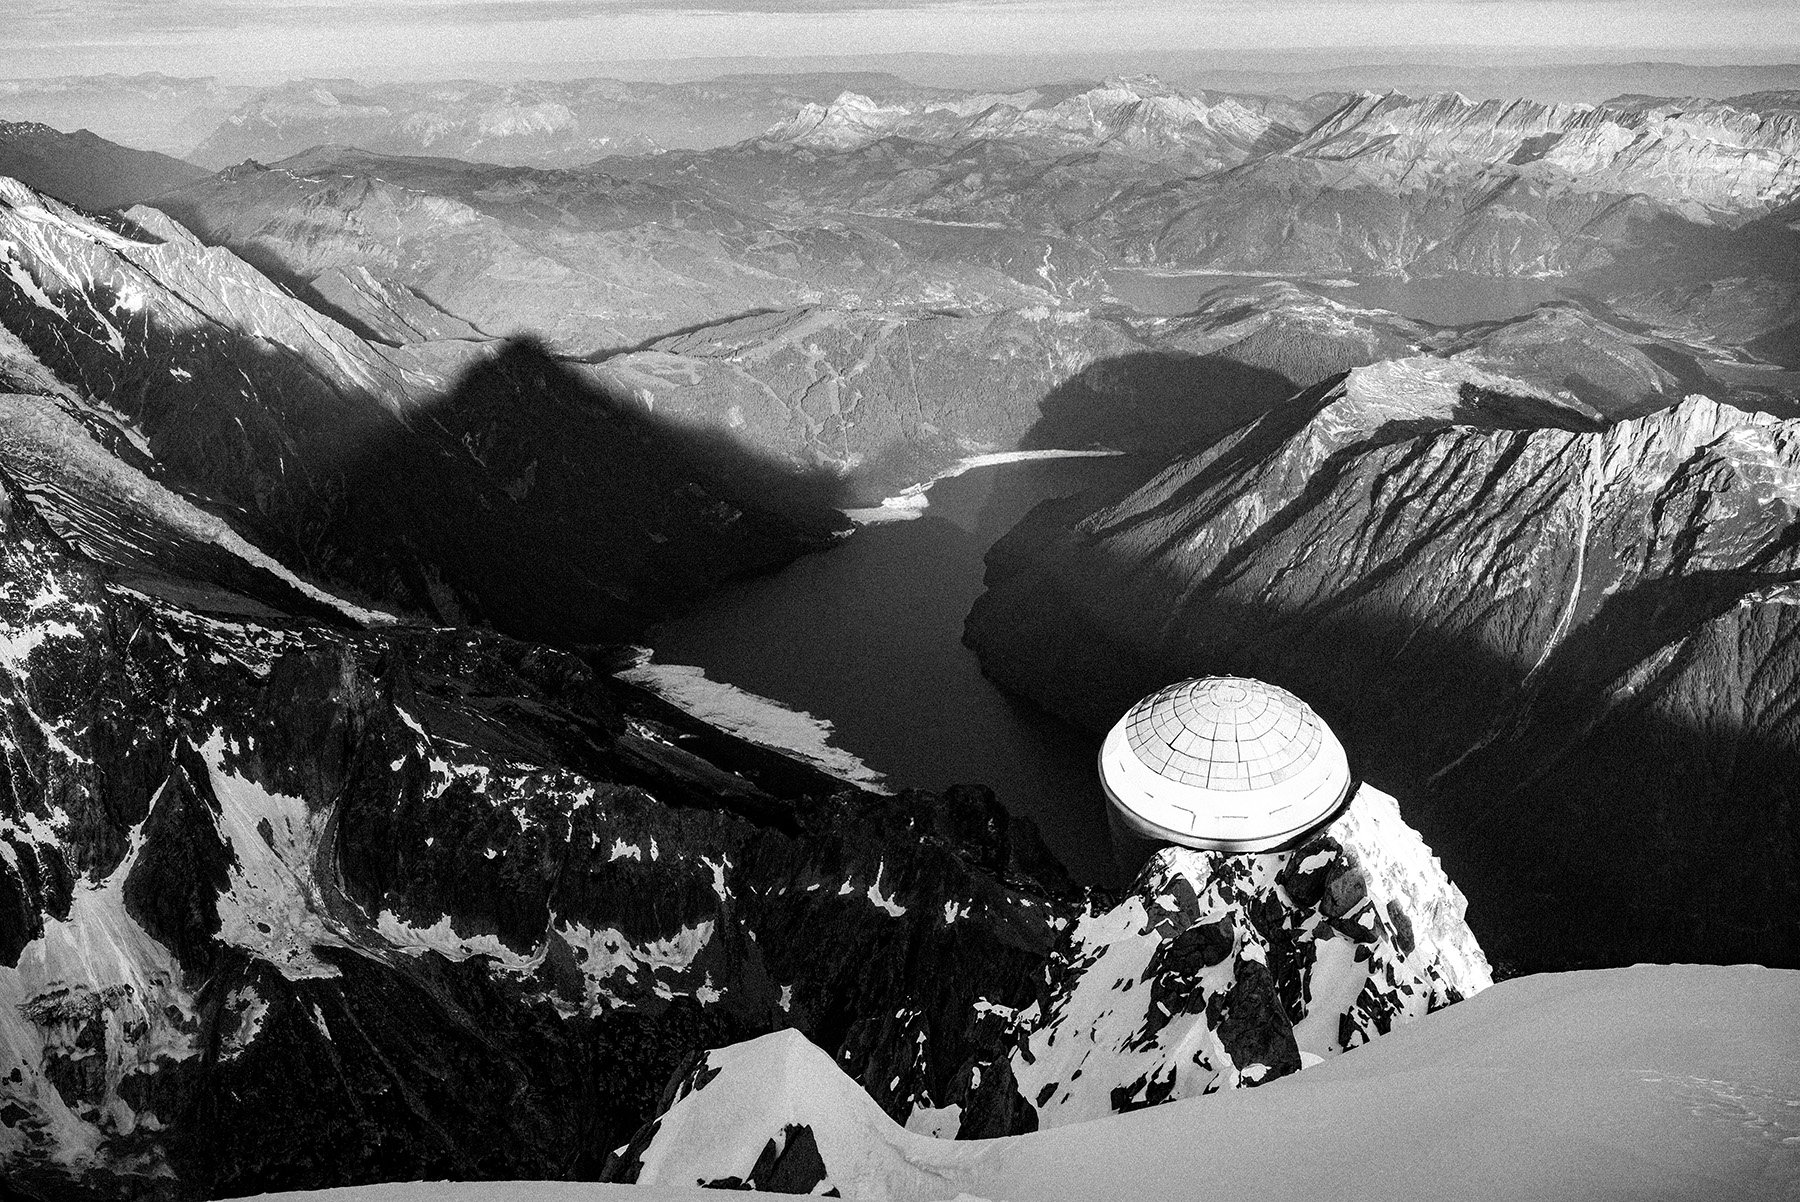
(164, 113)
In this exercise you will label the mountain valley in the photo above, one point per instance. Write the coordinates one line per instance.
(365, 821)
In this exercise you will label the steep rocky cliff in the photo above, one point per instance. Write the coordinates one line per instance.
(286, 904)
(1215, 972)
(1222, 971)
(1564, 645)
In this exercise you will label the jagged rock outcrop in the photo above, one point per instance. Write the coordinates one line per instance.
(1219, 971)
(1564, 645)
(285, 904)
(1215, 972)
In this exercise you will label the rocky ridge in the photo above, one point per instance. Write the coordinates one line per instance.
(424, 477)
(1223, 971)
(262, 878)
(1215, 972)
(85, 169)
(1141, 118)
(1558, 639)
(1714, 161)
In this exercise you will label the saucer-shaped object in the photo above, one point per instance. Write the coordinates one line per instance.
(1225, 763)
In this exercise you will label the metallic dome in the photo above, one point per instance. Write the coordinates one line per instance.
(1225, 763)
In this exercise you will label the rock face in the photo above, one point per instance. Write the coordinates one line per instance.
(1215, 972)
(1219, 971)
(1562, 644)
(286, 904)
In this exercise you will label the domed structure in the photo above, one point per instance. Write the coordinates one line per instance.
(1225, 763)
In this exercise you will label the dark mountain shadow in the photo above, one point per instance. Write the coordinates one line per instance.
(1155, 402)
(605, 353)
(1584, 833)
(1780, 346)
(524, 496)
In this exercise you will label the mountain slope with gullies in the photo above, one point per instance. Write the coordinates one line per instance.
(461, 480)
(1564, 642)
(586, 260)
(1675, 213)
(290, 904)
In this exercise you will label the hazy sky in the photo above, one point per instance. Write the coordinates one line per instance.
(251, 37)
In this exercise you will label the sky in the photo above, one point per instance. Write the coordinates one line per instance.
(247, 38)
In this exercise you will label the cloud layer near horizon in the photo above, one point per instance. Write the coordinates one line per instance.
(238, 37)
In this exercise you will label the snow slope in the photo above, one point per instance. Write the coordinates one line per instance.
(1658, 1081)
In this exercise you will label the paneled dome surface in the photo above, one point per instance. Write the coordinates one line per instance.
(1224, 733)
(1223, 762)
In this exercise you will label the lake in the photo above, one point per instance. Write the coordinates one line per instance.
(868, 636)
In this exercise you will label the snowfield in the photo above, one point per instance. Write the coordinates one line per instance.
(1658, 1081)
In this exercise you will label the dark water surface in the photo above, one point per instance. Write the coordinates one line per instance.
(869, 636)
